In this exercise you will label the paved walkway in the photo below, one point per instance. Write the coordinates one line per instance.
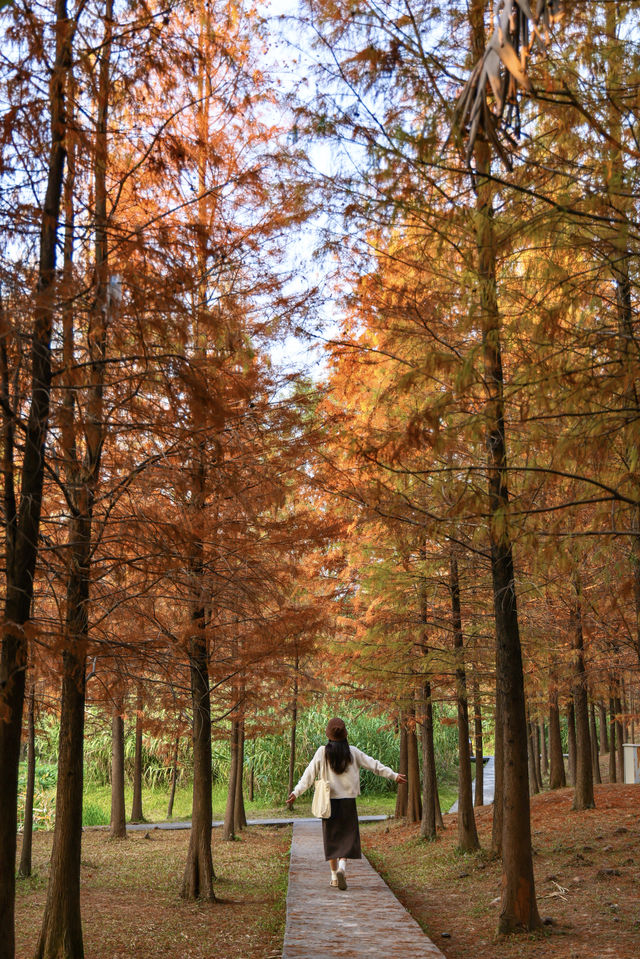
(488, 786)
(364, 922)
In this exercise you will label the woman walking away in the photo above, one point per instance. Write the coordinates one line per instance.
(340, 832)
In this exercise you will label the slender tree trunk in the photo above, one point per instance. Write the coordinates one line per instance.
(429, 785)
(535, 738)
(24, 869)
(414, 790)
(467, 833)
(543, 744)
(403, 767)
(118, 823)
(571, 741)
(198, 876)
(557, 777)
(61, 931)
(583, 797)
(604, 735)
(439, 820)
(531, 760)
(174, 777)
(136, 802)
(496, 829)
(229, 827)
(635, 561)
(612, 741)
(625, 710)
(294, 725)
(431, 814)
(595, 762)
(518, 907)
(478, 799)
(239, 814)
(414, 795)
(197, 882)
(619, 739)
(22, 519)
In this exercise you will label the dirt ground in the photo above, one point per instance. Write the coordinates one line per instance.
(131, 905)
(587, 873)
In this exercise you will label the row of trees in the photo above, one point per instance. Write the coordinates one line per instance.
(483, 390)
(151, 451)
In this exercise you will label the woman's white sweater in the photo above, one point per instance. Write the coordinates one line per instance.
(346, 785)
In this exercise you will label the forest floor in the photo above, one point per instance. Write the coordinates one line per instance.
(587, 873)
(131, 904)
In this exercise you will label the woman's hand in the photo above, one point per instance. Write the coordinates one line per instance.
(401, 778)
(291, 799)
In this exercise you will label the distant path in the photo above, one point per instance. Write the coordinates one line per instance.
(488, 787)
(366, 921)
(186, 823)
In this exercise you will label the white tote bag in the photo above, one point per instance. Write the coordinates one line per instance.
(321, 805)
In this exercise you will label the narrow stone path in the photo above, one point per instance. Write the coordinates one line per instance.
(488, 786)
(364, 922)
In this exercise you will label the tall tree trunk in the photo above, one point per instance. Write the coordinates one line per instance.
(571, 741)
(583, 797)
(531, 760)
(604, 735)
(619, 193)
(24, 869)
(518, 907)
(61, 931)
(478, 799)
(198, 875)
(294, 725)
(229, 827)
(595, 762)
(619, 738)
(414, 786)
(635, 560)
(429, 784)
(174, 777)
(467, 833)
(535, 738)
(544, 755)
(403, 767)
(557, 777)
(22, 518)
(612, 741)
(431, 813)
(118, 823)
(625, 710)
(239, 814)
(197, 882)
(498, 807)
(136, 802)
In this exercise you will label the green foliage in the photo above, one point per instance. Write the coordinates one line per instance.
(43, 795)
(157, 754)
(94, 814)
(445, 742)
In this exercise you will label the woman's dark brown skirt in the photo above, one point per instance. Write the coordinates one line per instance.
(341, 833)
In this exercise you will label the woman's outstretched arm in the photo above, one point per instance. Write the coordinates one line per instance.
(307, 779)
